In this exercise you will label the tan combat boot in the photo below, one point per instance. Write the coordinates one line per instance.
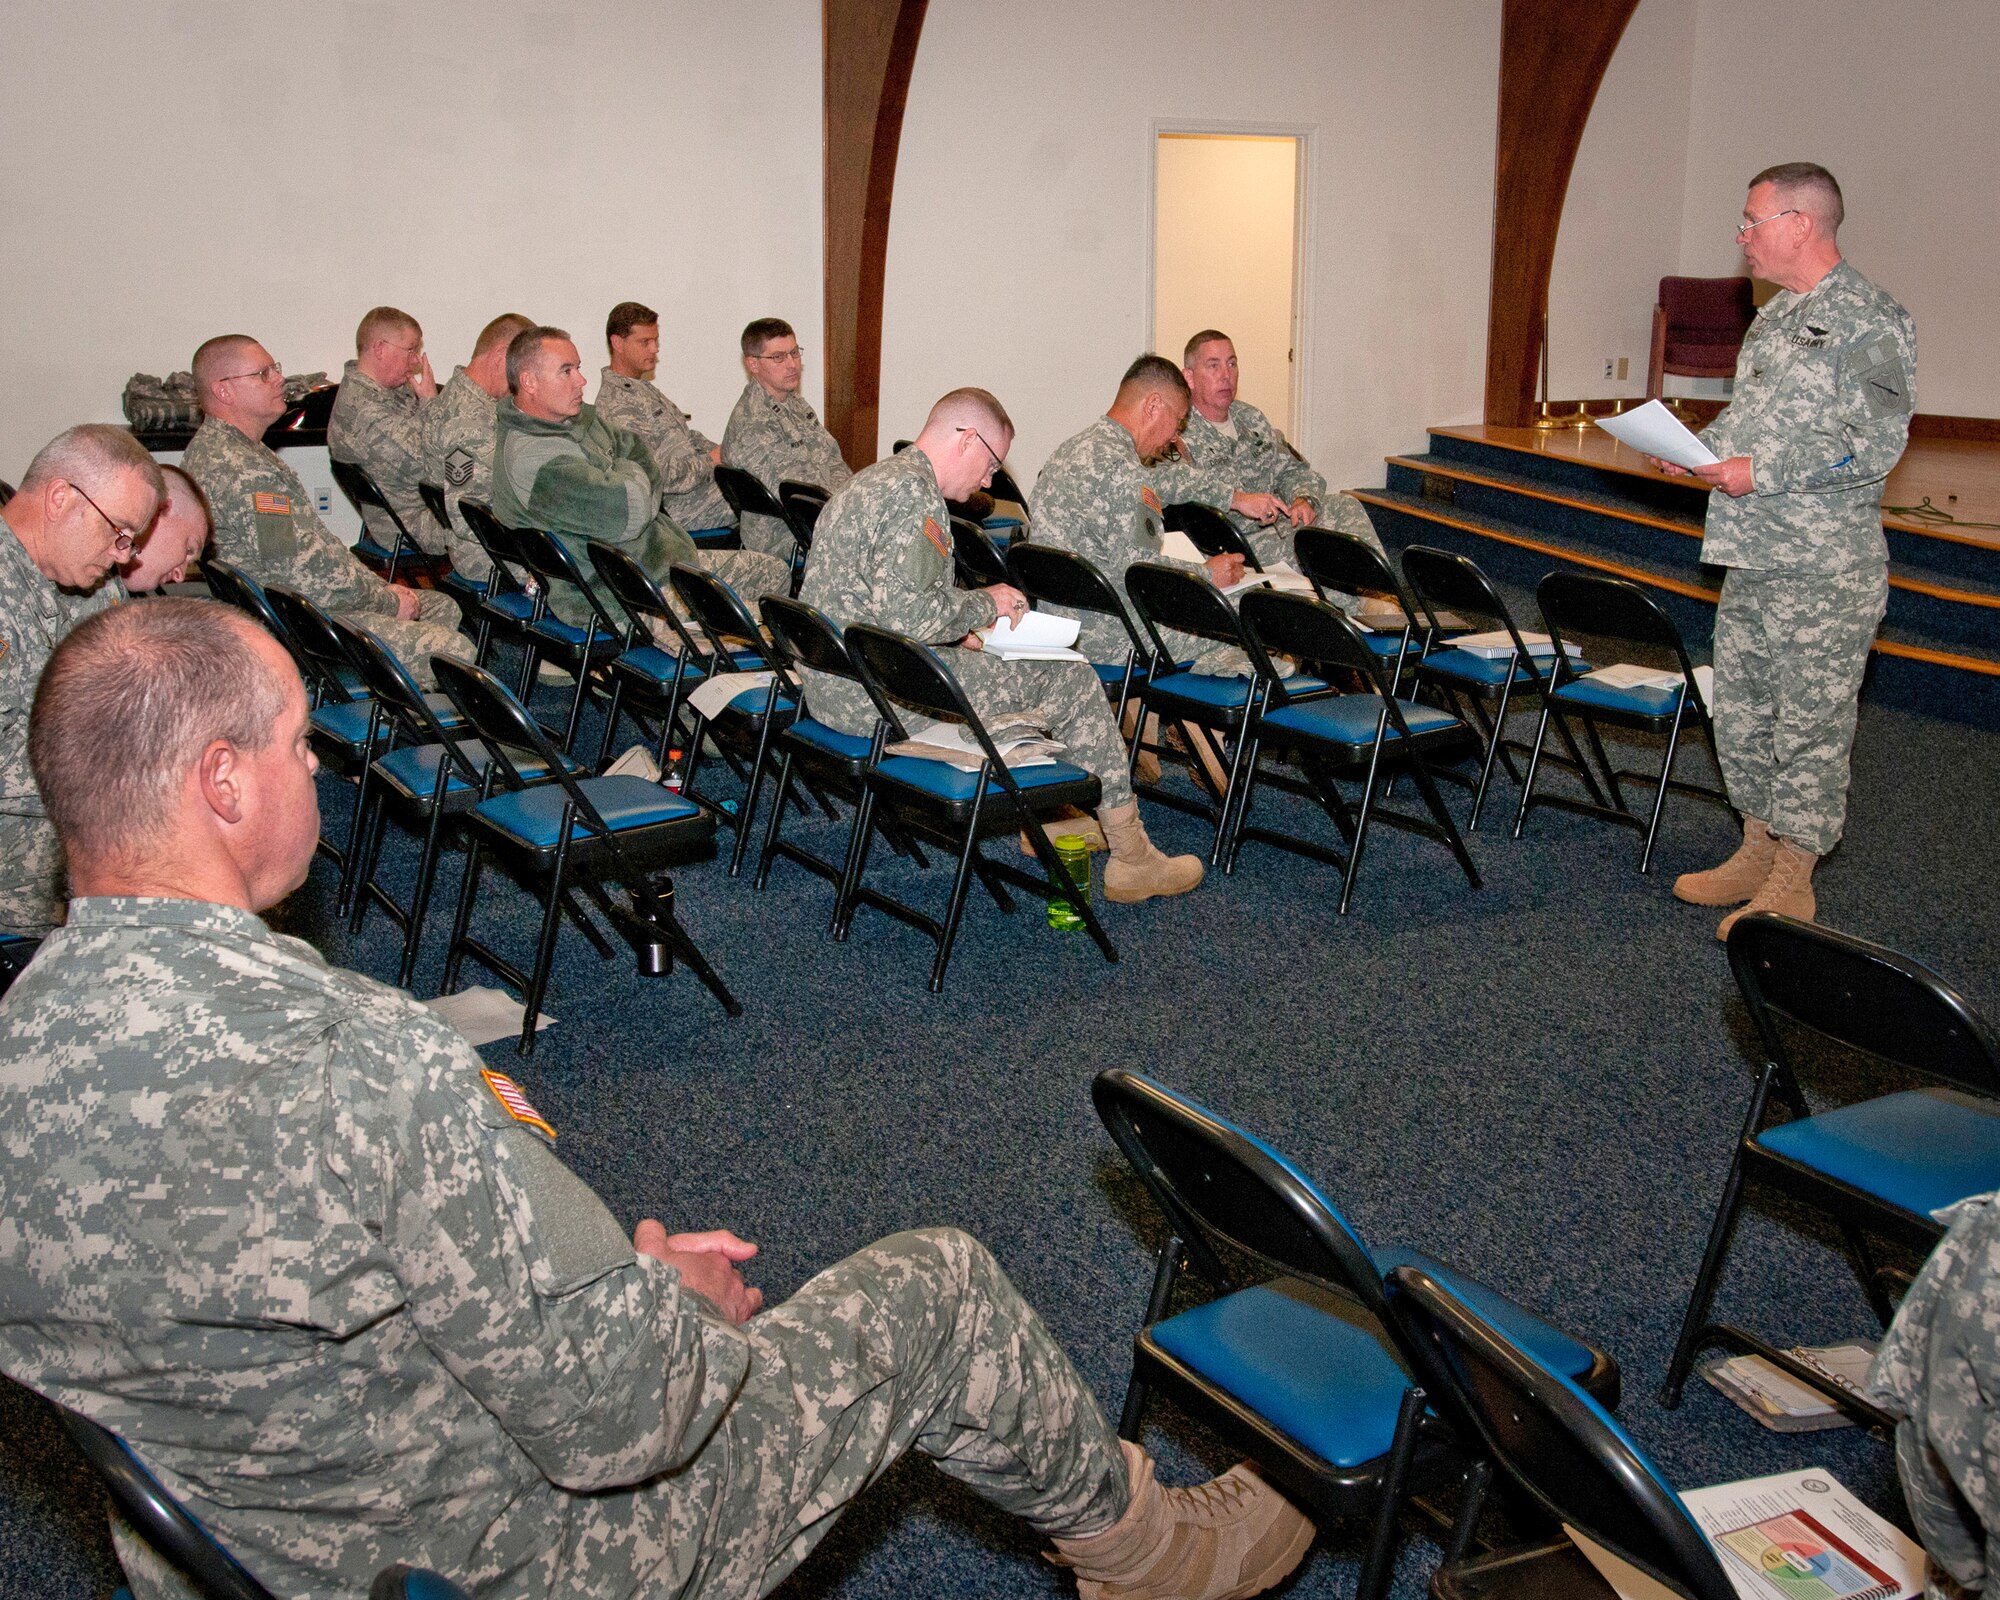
(1230, 1537)
(1788, 890)
(1137, 870)
(1738, 878)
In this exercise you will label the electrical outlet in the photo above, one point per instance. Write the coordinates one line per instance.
(323, 499)
(1624, 367)
(1607, 366)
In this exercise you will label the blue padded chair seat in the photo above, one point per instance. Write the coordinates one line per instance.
(1592, 694)
(569, 636)
(532, 817)
(1921, 1149)
(1312, 1364)
(1114, 672)
(1387, 644)
(649, 661)
(516, 605)
(345, 722)
(713, 536)
(943, 781)
(841, 746)
(1487, 671)
(1351, 719)
(1208, 689)
(755, 700)
(369, 550)
(412, 769)
(1001, 524)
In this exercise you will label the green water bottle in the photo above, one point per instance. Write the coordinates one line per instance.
(1073, 857)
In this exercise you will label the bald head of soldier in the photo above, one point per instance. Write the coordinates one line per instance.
(212, 795)
(545, 374)
(488, 366)
(966, 437)
(238, 382)
(178, 536)
(1152, 405)
(87, 498)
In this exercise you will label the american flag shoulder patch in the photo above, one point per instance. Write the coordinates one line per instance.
(935, 534)
(1150, 498)
(281, 504)
(513, 1102)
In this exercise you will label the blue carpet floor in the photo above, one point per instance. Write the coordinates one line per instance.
(1540, 1081)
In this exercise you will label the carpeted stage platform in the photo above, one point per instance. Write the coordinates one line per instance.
(1540, 1081)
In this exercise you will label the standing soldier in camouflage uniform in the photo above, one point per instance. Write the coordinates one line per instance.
(1230, 438)
(774, 433)
(264, 518)
(626, 398)
(882, 555)
(364, 1312)
(459, 429)
(1818, 417)
(58, 540)
(1937, 1372)
(1101, 493)
(559, 466)
(378, 424)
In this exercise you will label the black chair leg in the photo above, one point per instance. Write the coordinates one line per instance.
(961, 882)
(611, 711)
(545, 944)
(420, 902)
(1471, 1506)
(1165, 1271)
(1695, 1321)
(1378, 1565)
(1427, 787)
(1660, 799)
(769, 850)
(461, 920)
(366, 873)
(1534, 766)
(854, 866)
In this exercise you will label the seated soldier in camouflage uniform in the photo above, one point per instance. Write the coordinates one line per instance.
(628, 399)
(86, 495)
(1101, 493)
(560, 467)
(264, 518)
(774, 433)
(361, 1311)
(1233, 439)
(378, 424)
(459, 429)
(882, 555)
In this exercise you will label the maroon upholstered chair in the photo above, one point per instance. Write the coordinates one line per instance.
(1698, 327)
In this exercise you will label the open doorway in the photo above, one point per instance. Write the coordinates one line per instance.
(1225, 255)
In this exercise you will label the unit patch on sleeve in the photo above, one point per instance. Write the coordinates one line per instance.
(281, 504)
(513, 1102)
(1878, 368)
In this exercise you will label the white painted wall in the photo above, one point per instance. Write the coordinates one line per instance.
(171, 169)
(1225, 228)
(1018, 246)
(1895, 101)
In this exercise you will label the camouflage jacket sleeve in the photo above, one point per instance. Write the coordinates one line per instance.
(776, 441)
(680, 456)
(382, 429)
(882, 555)
(1283, 473)
(598, 1362)
(1938, 1369)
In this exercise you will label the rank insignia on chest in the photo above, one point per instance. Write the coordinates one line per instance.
(936, 536)
(1149, 498)
(280, 504)
(513, 1102)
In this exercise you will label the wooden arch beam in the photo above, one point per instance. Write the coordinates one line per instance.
(869, 50)
(1552, 58)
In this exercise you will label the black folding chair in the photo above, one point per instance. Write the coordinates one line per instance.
(1443, 583)
(1339, 563)
(1877, 1167)
(16, 951)
(1051, 576)
(744, 728)
(407, 557)
(1212, 709)
(234, 587)
(1305, 1370)
(1621, 613)
(836, 763)
(504, 611)
(468, 592)
(648, 679)
(748, 497)
(979, 565)
(1209, 531)
(578, 650)
(178, 1535)
(1557, 1446)
(428, 771)
(1331, 733)
(1005, 487)
(566, 835)
(956, 809)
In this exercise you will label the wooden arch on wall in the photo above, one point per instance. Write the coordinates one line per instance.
(869, 48)
(1552, 58)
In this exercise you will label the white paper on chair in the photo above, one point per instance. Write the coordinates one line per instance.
(1653, 430)
(484, 1015)
(1177, 546)
(1624, 675)
(708, 698)
(1281, 577)
(1038, 636)
(1020, 744)
(1498, 645)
